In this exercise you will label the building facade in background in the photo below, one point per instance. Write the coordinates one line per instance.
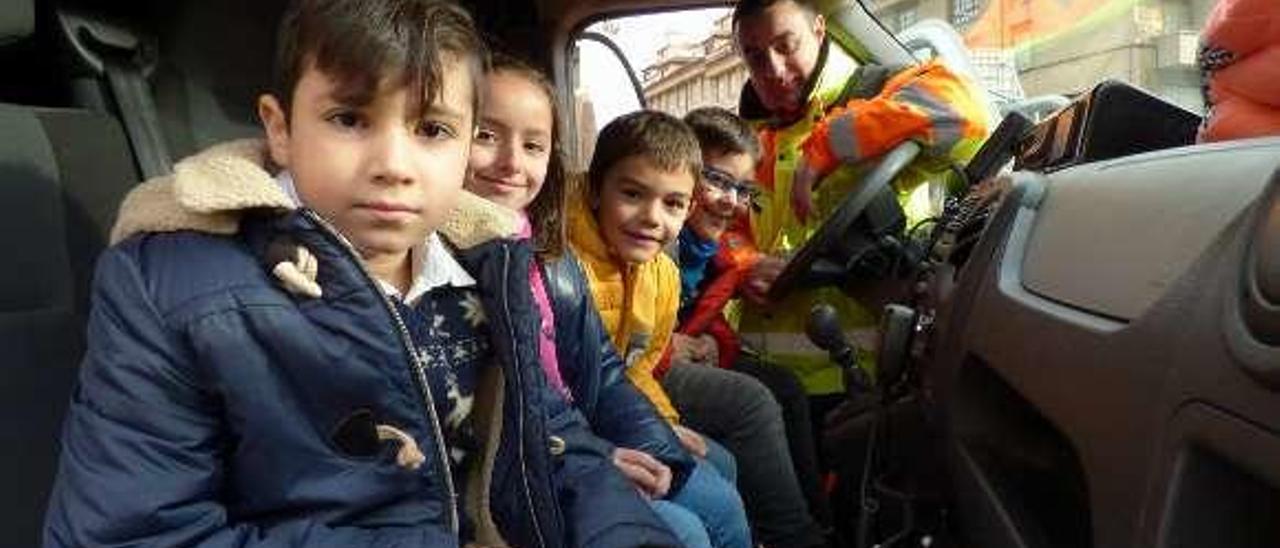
(686, 76)
(1044, 46)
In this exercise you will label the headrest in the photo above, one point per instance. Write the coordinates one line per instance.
(17, 20)
(37, 274)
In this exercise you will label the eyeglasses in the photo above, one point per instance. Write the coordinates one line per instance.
(742, 192)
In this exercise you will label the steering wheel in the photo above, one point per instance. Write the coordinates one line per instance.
(819, 260)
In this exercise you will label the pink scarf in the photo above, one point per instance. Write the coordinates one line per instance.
(547, 334)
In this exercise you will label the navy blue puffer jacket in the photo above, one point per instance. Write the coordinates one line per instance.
(596, 375)
(215, 408)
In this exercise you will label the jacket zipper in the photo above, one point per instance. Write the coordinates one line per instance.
(515, 357)
(416, 364)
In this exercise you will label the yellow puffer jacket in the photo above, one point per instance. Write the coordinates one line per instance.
(637, 303)
(927, 103)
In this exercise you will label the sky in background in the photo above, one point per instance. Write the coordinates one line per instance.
(640, 36)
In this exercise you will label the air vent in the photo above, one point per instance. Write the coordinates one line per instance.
(1266, 266)
(1261, 297)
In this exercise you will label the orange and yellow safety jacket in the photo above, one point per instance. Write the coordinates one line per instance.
(838, 132)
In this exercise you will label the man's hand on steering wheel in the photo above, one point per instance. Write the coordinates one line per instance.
(761, 277)
(877, 179)
(802, 183)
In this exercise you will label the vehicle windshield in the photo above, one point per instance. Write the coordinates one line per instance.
(1017, 49)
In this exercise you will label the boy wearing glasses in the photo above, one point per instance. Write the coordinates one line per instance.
(784, 496)
(723, 193)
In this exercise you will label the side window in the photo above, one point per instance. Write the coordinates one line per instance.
(680, 60)
(605, 87)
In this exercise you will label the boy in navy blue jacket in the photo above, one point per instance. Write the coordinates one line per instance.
(321, 340)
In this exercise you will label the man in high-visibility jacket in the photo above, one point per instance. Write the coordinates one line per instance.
(821, 116)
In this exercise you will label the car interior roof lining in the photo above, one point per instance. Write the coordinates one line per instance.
(17, 20)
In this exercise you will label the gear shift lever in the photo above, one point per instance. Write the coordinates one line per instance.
(823, 329)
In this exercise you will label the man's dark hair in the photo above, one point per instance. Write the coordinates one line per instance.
(365, 44)
(660, 137)
(719, 130)
(745, 9)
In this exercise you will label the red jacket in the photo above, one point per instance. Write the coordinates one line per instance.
(732, 263)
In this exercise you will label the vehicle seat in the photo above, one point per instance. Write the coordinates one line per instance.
(63, 173)
(205, 86)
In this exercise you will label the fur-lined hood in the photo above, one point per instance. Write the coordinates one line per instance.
(210, 191)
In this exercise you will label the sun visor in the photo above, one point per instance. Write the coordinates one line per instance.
(17, 20)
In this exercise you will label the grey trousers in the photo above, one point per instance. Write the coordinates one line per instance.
(739, 412)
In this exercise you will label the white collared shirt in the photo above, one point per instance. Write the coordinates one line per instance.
(433, 265)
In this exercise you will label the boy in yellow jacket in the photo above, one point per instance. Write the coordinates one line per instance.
(639, 189)
(638, 192)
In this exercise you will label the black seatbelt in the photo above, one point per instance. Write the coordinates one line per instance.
(115, 52)
(141, 121)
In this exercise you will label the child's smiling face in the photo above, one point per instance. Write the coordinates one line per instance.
(383, 173)
(715, 206)
(641, 207)
(512, 147)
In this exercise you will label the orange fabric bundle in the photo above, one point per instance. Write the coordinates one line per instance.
(1241, 59)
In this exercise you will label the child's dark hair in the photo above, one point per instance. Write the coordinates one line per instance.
(722, 131)
(546, 211)
(662, 138)
(365, 44)
(750, 8)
